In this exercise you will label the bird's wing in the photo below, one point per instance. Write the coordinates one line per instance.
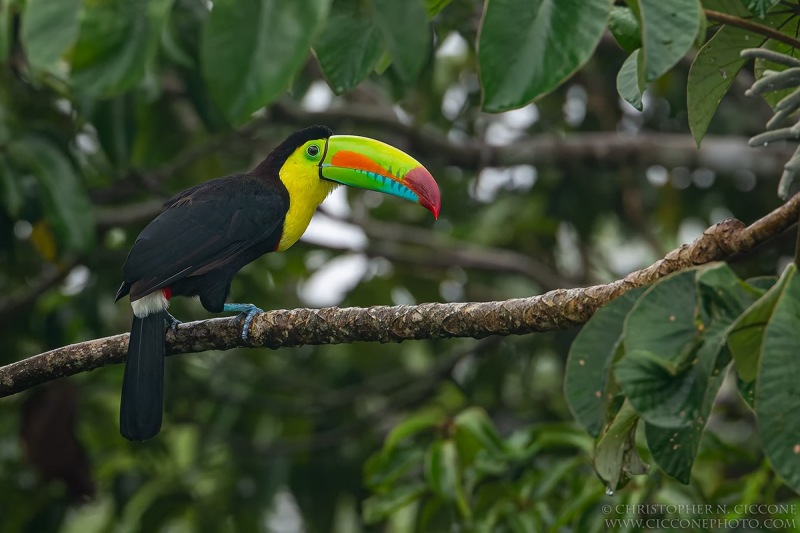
(202, 229)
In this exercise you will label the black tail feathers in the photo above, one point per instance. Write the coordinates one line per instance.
(142, 403)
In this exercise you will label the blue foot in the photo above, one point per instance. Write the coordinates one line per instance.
(172, 322)
(248, 311)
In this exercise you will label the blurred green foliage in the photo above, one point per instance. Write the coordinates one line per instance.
(109, 106)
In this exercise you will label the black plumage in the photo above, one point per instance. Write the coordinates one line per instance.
(142, 403)
(195, 247)
(205, 235)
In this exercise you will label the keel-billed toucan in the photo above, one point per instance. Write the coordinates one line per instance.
(205, 234)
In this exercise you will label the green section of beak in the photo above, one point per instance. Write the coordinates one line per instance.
(369, 164)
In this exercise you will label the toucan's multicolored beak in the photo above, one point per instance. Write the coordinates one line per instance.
(369, 164)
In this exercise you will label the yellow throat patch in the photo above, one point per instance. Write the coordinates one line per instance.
(300, 176)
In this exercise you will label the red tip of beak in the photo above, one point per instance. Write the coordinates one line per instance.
(422, 183)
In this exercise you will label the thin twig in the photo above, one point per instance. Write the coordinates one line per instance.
(749, 25)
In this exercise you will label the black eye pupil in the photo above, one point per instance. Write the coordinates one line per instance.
(313, 150)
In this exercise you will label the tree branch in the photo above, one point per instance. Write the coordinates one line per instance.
(721, 154)
(554, 310)
(749, 25)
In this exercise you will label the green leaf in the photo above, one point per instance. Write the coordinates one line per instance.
(6, 31)
(669, 29)
(674, 357)
(411, 426)
(712, 73)
(722, 298)
(383, 470)
(661, 340)
(442, 471)
(527, 48)
(9, 187)
(65, 198)
(658, 388)
(380, 506)
(624, 26)
(49, 29)
(433, 7)
(663, 320)
(590, 359)
(349, 46)
(616, 458)
(251, 50)
(117, 40)
(521, 522)
(674, 449)
(747, 334)
(405, 31)
(630, 82)
(476, 423)
(777, 403)
(552, 479)
(737, 9)
(762, 283)
(116, 124)
(747, 390)
(759, 8)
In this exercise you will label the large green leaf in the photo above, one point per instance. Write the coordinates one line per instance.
(349, 46)
(712, 73)
(722, 298)
(117, 40)
(527, 48)
(442, 471)
(404, 27)
(586, 383)
(777, 402)
(747, 334)
(760, 7)
(624, 26)
(669, 30)
(49, 29)
(251, 50)
(660, 340)
(630, 81)
(674, 340)
(66, 201)
(616, 458)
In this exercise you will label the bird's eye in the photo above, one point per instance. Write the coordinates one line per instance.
(312, 150)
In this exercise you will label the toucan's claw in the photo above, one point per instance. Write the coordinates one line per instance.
(172, 322)
(248, 311)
